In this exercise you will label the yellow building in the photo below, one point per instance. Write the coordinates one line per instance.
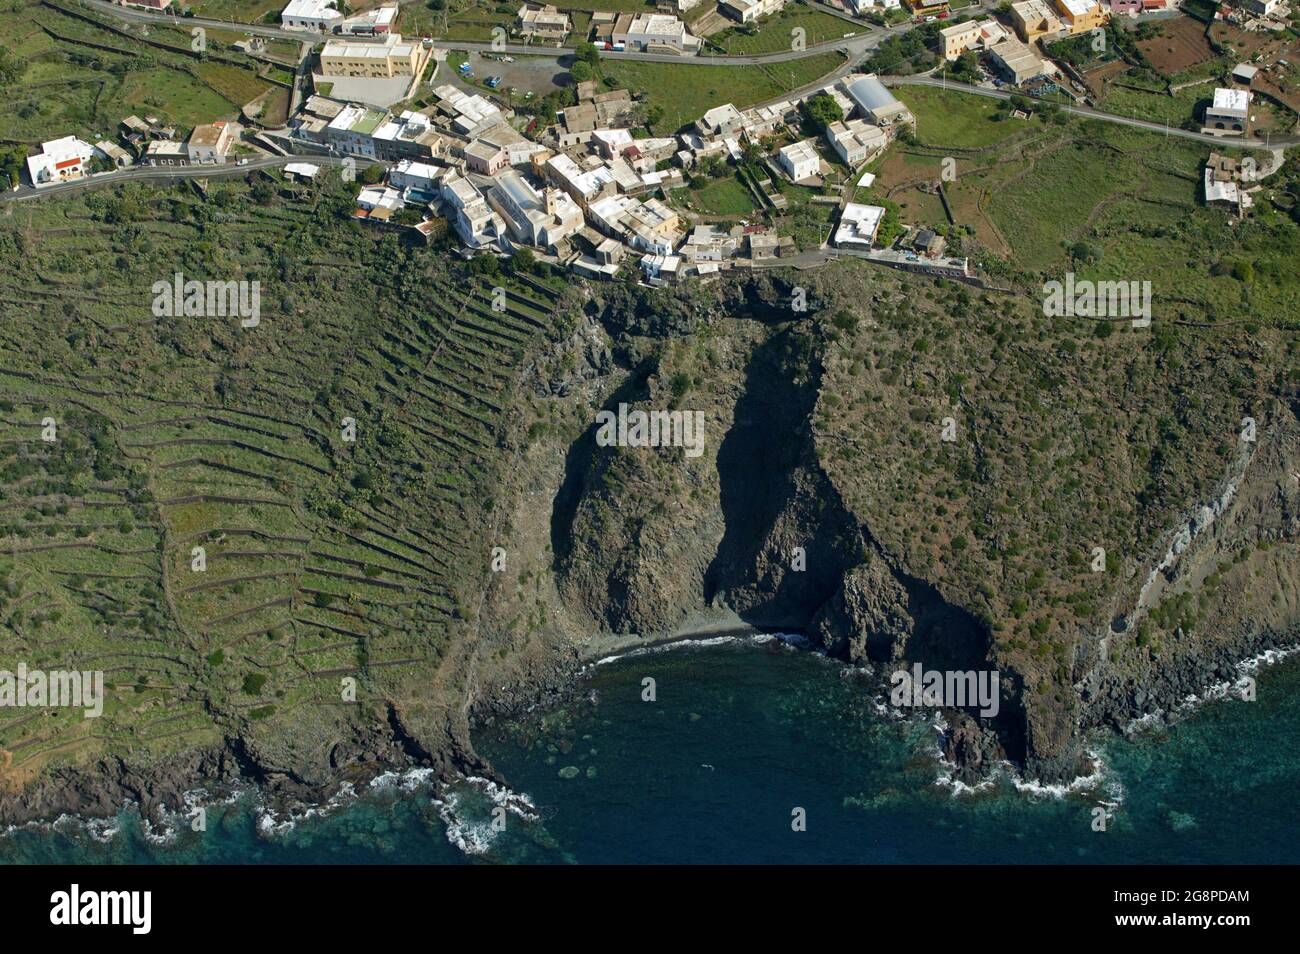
(974, 34)
(1080, 16)
(395, 57)
(1034, 19)
(927, 8)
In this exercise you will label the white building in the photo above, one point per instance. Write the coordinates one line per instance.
(661, 267)
(543, 218)
(60, 160)
(1262, 8)
(1228, 114)
(471, 113)
(857, 141)
(409, 176)
(747, 11)
(542, 22)
(800, 160)
(609, 214)
(654, 32)
(379, 199)
(475, 222)
(318, 15)
(377, 22)
(585, 185)
(724, 120)
(859, 225)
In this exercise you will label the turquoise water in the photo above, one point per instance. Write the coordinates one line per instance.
(738, 737)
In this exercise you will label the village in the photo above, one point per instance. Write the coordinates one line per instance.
(595, 191)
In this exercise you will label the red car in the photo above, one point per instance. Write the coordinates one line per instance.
(944, 15)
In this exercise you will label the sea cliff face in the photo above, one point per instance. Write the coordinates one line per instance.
(909, 473)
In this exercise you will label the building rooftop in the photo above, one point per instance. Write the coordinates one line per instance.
(1233, 100)
(311, 9)
(1078, 8)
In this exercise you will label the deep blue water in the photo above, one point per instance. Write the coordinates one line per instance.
(738, 737)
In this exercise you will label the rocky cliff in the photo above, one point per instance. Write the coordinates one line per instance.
(910, 472)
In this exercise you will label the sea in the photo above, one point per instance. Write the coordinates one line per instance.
(755, 750)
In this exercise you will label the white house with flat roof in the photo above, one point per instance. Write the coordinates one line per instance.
(858, 225)
(856, 141)
(318, 15)
(800, 160)
(1228, 114)
(654, 32)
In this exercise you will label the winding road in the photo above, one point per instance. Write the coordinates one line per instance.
(1281, 142)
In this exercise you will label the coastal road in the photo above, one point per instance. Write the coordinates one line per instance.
(149, 173)
(1087, 112)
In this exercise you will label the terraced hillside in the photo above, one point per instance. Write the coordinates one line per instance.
(233, 522)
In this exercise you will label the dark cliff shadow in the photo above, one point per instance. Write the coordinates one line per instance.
(579, 463)
(774, 496)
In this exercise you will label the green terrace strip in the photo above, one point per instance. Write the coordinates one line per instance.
(187, 442)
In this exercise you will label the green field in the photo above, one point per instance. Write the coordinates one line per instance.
(724, 196)
(237, 11)
(72, 84)
(960, 120)
(774, 33)
(685, 92)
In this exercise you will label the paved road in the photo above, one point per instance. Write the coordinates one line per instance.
(868, 38)
(1089, 113)
(138, 173)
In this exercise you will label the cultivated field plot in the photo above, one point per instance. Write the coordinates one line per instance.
(776, 33)
(687, 91)
(1180, 46)
(202, 529)
(1128, 197)
(84, 78)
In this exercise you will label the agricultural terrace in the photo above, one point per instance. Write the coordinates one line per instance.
(324, 558)
(70, 75)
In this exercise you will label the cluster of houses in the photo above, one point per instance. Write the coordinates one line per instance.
(141, 141)
(662, 31)
(326, 16)
(1015, 52)
(585, 192)
(1256, 14)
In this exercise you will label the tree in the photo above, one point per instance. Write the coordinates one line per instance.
(820, 111)
(523, 261)
(587, 53)
(581, 71)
